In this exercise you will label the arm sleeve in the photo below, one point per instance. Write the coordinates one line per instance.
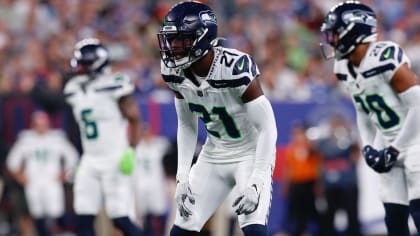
(261, 115)
(410, 130)
(186, 138)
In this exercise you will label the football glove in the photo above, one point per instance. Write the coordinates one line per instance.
(128, 161)
(182, 194)
(249, 199)
(380, 161)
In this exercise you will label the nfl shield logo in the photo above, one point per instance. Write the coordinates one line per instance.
(200, 93)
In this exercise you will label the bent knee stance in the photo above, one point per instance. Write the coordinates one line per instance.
(396, 219)
(255, 230)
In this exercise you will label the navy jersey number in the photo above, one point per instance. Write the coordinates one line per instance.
(387, 117)
(227, 120)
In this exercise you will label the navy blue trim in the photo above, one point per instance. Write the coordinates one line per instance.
(172, 79)
(253, 67)
(229, 83)
(400, 55)
(67, 95)
(351, 70)
(110, 88)
(378, 70)
(341, 77)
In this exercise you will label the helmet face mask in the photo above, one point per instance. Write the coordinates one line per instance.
(187, 34)
(176, 48)
(345, 26)
(328, 44)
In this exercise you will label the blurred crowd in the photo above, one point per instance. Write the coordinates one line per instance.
(37, 39)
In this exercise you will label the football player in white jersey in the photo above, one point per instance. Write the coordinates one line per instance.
(386, 96)
(151, 183)
(220, 86)
(41, 160)
(103, 107)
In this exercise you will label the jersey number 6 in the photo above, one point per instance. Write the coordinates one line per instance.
(90, 129)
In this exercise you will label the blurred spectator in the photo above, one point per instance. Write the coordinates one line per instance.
(41, 160)
(341, 153)
(152, 196)
(302, 182)
(413, 49)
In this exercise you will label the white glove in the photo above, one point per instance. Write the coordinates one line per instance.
(182, 193)
(249, 199)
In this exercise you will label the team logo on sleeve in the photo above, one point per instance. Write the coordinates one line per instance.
(388, 53)
(241, 65)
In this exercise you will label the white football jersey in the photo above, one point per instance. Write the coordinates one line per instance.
(216, 100)
(150, 155)
(42, 155)
(102, 127)
(369, 86)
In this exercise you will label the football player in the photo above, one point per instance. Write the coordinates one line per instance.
(35, 161)
(151, 184)
(386, 95)
(103, 106)
(221, 87)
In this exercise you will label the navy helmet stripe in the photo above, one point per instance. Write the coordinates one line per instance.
(230, 83)
(378, 70)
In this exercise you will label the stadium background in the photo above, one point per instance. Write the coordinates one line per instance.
(37, 38)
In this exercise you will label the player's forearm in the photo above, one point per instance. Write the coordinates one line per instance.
(261, 114)
(410, 129)
(135, 132)
(186, 138)
(129, 109)
(366, 131)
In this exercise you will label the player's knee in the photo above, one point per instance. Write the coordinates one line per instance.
(396, 219)
(85, 225)
(255, 230)
(415, 211)
(177, 231)
(126, 226)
